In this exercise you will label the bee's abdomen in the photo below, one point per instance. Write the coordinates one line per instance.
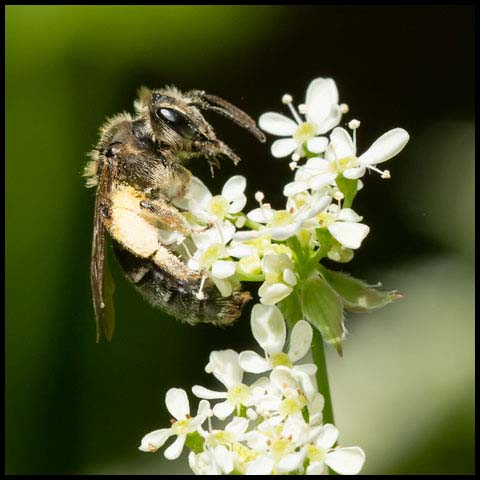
(177, 296)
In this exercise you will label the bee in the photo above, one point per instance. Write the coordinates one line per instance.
(139, 170)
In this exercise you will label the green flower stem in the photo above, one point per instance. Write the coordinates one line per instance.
(318, 354)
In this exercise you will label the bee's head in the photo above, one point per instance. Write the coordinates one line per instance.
(175, 119)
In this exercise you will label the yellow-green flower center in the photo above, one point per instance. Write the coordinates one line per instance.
(280, 218)
(289, 406)
(212, 254)
(218, 206)
(325, 219)
(304, 132)
(343, 163)
(250, 265)
(315, 454)
(219, 438)
(280, 359)
(238, 394)
(180, 427)
(281, 447)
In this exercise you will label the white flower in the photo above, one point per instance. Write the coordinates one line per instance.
(177, 404)
(344, 226)
(282, 224)
(225, 367)
(212, 461)
(279, 446)
(322, 113)
(270, 331)
(209, 208)
(279, 278)
(342, 151)
(343, 460)
(213, 256)
(315, 175)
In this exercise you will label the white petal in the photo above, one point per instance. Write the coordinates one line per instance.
(223, 268)
(315, 409)
(240, 251)
(354, 173)
(152, 441)
(223, 410)
(349, 234)
(346, 460)
(300, 340)
(252, 362)
(349, 215)
(198, 192)
(223, 458)
(204, 409)
(331, 120)
(224, 366)
(385, 147)
(261, 215)
(260, 466)
(342, 143)
(277, 124)
(175, 449)
(202, 392)
(321, 94)
(291, 462)
(246, 235)
(272, 293)
(327, 437)
(317, 144)
(238, 204)
(308, 368)
(285, 231)
(177, 404)
(224, 286)
(315, 468)
(289, 277)
(318, 205)
(268, 327)
(293, 188)
(319, 181)
(283, 147)
(283, 378)
(237, 426)
(234, 187)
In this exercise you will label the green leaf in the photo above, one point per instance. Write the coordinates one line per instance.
(358, 296)
(194, 442)
(291, 309)
(323, 309)
(349, 189)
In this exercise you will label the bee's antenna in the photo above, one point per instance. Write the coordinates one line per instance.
(222, 107)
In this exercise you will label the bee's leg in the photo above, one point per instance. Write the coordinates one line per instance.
(158, 212)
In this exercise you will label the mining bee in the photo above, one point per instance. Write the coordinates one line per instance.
(138, 169)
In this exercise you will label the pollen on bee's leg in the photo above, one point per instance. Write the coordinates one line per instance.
(200, 295)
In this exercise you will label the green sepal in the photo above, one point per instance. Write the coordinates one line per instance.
(305, 414)
(291, 309)
(194, 442)
(323, 308)
(349, 189)
(325, 239)
(356, 295)
(242, 411)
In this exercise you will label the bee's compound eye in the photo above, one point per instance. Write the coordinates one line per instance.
(176, 120)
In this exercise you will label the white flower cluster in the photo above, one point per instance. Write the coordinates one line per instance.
(275, 424)
(272, 425)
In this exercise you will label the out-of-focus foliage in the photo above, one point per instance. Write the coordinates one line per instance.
(404, 389)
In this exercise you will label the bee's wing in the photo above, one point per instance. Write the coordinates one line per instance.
(100, 276)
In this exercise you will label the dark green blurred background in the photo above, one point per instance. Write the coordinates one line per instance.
(404, 390)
